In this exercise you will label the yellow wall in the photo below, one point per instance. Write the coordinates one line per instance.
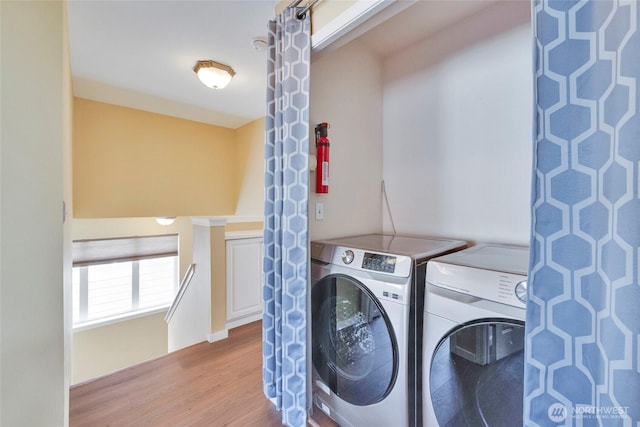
(250, 168)
(243, 226)
(132, 163)
(104, 135)
(218, 279)
(106, 349)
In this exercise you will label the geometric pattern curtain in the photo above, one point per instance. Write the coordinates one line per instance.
(582, 360)
(286, 222)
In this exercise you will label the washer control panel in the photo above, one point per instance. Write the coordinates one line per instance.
(395, 265)
(348, 256)
(379, 262)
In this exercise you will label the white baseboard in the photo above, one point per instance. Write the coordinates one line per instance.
(218, 336)
(224, 334)
(243, 320)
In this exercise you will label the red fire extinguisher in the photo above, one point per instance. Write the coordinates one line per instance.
(322, 153)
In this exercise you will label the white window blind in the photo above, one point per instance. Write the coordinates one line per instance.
(115, 277)
(100, 251)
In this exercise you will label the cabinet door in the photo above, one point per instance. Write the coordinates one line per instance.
(244, 277)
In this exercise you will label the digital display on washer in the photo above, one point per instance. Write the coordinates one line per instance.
(378, 262)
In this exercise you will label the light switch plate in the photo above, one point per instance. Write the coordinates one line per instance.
(319, 211)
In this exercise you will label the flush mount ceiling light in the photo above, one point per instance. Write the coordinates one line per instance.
(213, 74)
(165, 220)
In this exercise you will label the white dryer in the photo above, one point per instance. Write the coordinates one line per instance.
(473, 365)
(367, 300)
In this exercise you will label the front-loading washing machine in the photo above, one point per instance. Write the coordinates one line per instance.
(473, 371)
(367, 301)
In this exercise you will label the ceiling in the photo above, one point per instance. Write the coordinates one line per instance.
(141, 53)
(419, 21)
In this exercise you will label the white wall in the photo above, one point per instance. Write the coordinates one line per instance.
(32, 374)
(67, 164)
(457, 137)
(346, 92)
(191, 321)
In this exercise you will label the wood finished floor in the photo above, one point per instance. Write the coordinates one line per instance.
(218, 384)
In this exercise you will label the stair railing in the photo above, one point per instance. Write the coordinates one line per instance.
(183, 287)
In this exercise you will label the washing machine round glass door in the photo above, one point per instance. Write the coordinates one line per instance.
(477, 375)
(354, 347)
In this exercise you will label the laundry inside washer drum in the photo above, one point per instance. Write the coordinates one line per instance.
(353, 345)
(351, 341)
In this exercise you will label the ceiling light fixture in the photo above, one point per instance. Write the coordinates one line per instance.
(165, 220)
(213, 74)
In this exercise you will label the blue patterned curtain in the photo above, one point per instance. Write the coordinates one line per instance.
(286, 222)
(582, 363)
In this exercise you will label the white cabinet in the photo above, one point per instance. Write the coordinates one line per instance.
(244, 278)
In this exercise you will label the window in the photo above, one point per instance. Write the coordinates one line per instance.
(113, 277)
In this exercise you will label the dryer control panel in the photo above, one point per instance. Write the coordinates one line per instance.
(490, 285)
(489, 271)
(395, 265)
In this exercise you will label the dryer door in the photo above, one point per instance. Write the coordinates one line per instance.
(355, 351)
(476, 375)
